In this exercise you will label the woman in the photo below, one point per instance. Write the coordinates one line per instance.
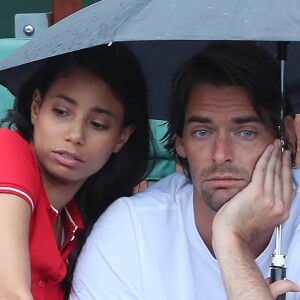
(81, 141)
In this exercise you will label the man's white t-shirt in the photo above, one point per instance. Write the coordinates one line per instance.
(147, 247)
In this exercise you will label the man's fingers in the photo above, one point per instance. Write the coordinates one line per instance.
(259, 172)
(278, 175)
(267, 173)
(287, 181)
(280, 287)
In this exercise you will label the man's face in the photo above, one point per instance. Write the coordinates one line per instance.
(222, 140)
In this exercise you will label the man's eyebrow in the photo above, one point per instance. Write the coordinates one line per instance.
(198, 119)
(246, 119)
(237, 120)
(94, 109)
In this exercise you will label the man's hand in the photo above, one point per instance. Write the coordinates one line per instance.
(280, 287)
(264, 203)
(245, 223)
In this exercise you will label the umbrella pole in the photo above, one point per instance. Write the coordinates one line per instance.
(278, 267)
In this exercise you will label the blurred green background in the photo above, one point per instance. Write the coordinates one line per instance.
(8, 10)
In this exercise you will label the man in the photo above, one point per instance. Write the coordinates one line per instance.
(177, 239)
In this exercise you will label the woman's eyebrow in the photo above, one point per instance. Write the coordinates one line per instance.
(102, 111)
(67, 99)
(94, 109)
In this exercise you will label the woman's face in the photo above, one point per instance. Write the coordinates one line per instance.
(77, 127)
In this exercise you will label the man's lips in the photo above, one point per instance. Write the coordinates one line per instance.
(223, 177)
(223, 180)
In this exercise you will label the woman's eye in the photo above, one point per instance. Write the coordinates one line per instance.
(98, 125)
(247, 133)
(59, 111)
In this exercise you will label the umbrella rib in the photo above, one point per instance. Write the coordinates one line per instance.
(138, 6)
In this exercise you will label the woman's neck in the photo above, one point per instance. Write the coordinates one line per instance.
(59, 194)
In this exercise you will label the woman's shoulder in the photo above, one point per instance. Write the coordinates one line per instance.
(15, 151)
(5, 132)
(12, 140)
(11, 136)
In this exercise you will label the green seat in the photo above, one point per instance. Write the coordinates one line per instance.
(8, 46)
(164, 164)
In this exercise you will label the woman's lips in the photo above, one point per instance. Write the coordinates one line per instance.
(67, 159)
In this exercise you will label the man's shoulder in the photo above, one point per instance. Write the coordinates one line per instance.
(158, 202)
(294, 219)
(296, 180)
(296, 176)
(170, 184)
(163, 192)
(161, 195)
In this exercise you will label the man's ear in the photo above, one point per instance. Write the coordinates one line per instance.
(179, 147)
(125, 134)
(290, 133)
(35, 105)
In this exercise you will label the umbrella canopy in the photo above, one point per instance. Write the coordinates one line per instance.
(163, 34)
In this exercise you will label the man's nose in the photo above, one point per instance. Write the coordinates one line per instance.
(223, 151)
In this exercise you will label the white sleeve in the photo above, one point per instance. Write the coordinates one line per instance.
(109, 264)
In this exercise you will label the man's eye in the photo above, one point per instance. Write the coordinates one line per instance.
(201, 133)
(247, 133)
(59, 111)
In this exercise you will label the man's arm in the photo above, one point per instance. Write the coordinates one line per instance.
(241, 276)
(253, 212)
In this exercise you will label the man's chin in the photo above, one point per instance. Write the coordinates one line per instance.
(218, 198)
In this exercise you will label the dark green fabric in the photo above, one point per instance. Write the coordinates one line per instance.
(164, 164)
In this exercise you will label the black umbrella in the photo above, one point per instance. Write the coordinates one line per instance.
(163, 34)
